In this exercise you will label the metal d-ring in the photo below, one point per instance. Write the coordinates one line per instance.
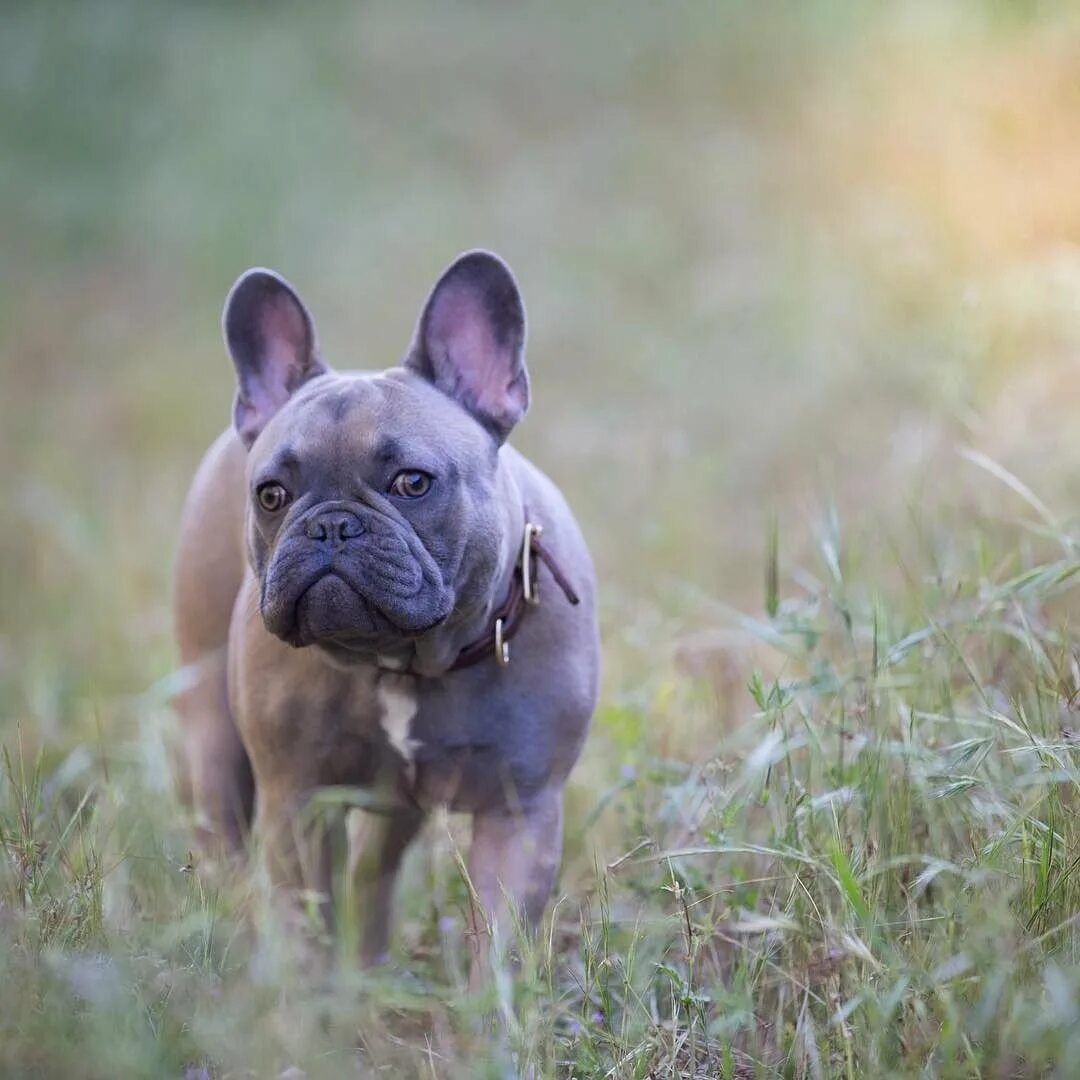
(502, 648)
(528, 585)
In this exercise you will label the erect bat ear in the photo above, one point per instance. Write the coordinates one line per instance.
(470, 341)
(271, 338)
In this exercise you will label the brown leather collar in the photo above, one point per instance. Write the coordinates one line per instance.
(522, 594)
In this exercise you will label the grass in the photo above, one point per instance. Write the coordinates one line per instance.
(802, 289)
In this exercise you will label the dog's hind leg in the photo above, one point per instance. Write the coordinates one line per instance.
(215, 774)
(216, 779)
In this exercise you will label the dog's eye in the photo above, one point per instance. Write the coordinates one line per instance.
(272, 496)
(411, 484)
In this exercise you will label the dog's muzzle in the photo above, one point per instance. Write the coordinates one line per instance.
(346, 573)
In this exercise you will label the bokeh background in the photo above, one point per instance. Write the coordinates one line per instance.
(782, 263)
(772, 258)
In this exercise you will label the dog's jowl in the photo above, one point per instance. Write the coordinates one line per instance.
(374, 589)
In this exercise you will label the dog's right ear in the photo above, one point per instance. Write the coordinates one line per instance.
(271, 338)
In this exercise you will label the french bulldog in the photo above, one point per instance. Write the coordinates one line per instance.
(374, 590)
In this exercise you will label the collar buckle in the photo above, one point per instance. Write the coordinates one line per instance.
(530, 591)
(529, 583)
(502, 647)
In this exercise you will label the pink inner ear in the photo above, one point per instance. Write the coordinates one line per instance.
(286, 343)
(459, 326)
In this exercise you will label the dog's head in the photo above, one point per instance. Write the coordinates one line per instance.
(374, 500)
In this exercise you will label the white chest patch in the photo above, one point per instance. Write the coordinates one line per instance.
(397, 705)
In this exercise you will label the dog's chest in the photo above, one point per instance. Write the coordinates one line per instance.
(434, 744)
(396, 704)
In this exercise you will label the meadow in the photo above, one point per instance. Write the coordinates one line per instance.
(804, 294)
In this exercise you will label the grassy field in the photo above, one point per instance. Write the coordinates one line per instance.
(804, 289)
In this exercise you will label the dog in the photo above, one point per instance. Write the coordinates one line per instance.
(374, 590)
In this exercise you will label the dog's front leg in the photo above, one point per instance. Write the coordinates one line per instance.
(377, 843)
(513, 861)
(296, 851)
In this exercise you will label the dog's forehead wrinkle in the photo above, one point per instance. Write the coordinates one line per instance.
(389, 448)
(380, 419)
(352, 444)
(337, 424)
(285, 458)
(348, 395)
(427, 423)
(331, 393)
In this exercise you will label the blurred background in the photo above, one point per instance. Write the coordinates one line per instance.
(774, 258)
(781, 263)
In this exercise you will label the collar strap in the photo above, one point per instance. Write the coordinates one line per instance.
(523, 593)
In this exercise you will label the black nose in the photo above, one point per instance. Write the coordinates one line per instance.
(333, 527)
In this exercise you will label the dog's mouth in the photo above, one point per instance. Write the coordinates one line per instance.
(376, 587)
(330, 612)
(330, 609)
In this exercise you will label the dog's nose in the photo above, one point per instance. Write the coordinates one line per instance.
(335, 527)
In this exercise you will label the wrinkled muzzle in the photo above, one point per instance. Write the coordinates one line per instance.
(345, 573)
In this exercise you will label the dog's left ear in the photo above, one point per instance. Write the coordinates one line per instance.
(470, 341)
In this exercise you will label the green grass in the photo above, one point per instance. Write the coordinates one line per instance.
(803, 297)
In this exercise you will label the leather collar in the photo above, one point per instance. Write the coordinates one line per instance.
(522, 594)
